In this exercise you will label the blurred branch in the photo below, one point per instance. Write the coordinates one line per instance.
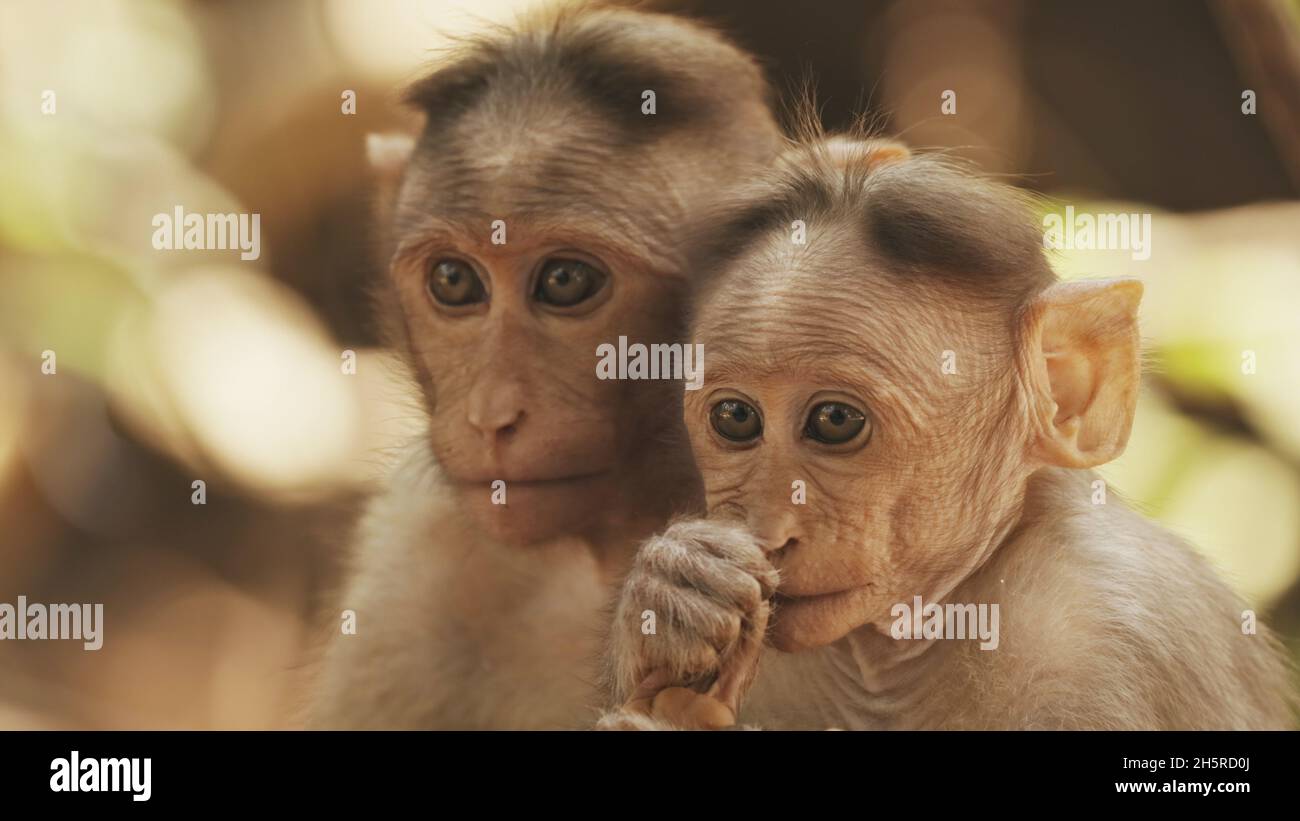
(1264, 37)
(1219, 412)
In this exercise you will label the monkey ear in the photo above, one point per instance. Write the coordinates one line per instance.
(883, 152)
(389, 153)
(871, 154)
(1084, 356)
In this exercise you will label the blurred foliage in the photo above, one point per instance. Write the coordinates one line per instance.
(177, 366)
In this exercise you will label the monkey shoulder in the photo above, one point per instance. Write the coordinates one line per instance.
(1127, 623)
(1129, 567)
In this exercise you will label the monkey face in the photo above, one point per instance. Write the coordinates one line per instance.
(540, 215)
(856, 505)
(868, 473)
(880, 386)
(790, 459)
(504, 340)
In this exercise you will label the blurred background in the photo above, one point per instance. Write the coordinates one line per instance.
(181, 366)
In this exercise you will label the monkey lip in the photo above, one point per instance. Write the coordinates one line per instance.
(528, 480)
(787, 598)
(803, 622)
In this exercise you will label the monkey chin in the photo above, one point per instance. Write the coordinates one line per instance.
(807, 622)
(538, 511)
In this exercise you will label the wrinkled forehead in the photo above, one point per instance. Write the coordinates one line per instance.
(782, 307)
(556, 173)
(909, 260)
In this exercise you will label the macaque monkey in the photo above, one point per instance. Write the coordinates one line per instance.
(918, 374)
(541, 213)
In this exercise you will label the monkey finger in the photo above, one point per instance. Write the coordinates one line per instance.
(686, 616)
(642, 698)
(726, 583)
(738, 667)
(738, 554)
(688, 710)
(723, 539)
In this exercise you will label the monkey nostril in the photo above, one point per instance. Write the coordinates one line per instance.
(788, 544)
(501, 427)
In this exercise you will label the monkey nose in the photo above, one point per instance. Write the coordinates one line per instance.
(497, 425)
(777, 536)
(773, 535)
(495, 413)
(773, 548)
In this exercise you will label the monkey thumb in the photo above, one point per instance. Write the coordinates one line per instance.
(689, 710)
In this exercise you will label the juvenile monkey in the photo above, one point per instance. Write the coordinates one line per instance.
(962, 485)
(540, 214)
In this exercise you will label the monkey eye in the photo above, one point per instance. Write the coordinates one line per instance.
(566, 282)
(453, 282)
(834, 423)
(736, 420)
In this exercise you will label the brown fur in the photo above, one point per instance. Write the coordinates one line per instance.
(971, 487)
(472, 614)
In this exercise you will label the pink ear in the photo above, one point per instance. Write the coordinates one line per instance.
(871, 153)
(389, 153)
(1085, 359)
(883, 152)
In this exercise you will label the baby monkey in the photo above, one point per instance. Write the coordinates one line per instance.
(901, 408)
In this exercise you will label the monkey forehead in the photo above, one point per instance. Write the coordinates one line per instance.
(926, 222)
(622, 118)
(782, 305)
(773, 335)
(826, 274)
(460, 206)
(780, 331)
(555, 165)
(554, 173)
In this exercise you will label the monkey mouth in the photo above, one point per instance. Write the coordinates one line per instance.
(789, 598)
(527, 479)
(521, 509)
(545, 481)
(785, 593)
(804, 622)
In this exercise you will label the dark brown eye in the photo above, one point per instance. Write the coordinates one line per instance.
(453, 282)
(566, 282)
(834, 423)
(736, 420)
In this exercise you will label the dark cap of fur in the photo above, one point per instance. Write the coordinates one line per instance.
(926, 217)
(603, 57)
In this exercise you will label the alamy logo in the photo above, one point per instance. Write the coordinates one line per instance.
(209, 232)
(655, 361)
(951, 621)
(53, 621)
(1098, 232)
(77, 774)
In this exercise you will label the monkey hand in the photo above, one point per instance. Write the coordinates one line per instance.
(689, 627)
(657, 706)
